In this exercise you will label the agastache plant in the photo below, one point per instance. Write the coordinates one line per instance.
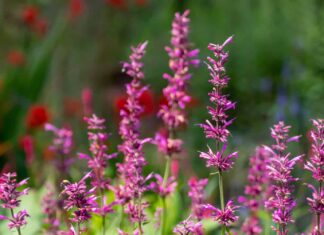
(255, 190)
(10, 199)
(49, 209)
(80, 200)
(62, 145)
(98, 162)
(280, 168)
(217, 129)
(131, 170)
(197, 196)
(316, 166)
(173, 113)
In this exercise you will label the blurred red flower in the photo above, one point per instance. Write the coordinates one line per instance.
(40, 27)
(27, 144)
(141, 2)
(16, 58)
(37, 116)
(146, 100)
(30, 14)
(76, 8)
(121, 4)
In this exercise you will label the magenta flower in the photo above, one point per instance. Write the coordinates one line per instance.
(189, 227)
(131, 170)
(218, 160)
(280, 171)
(49, 208)
(197, 195)
(182, 57)
(255, 190)
(315, 165)
(98, 159)
(10, 199)
(226, 216)
(163, 188)
(62, 145)
(79, 199)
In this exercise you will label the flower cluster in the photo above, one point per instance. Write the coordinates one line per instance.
(62, 145)
(197, 195)
(316, 166)
(218, 129)
(98, 160)
(132, 146)
(80, 199)
(258, 180)
(10, 199)
(189, 227)
(181, 58)
(163, 188)
(226, 216)
(49, 208)
(280, 171)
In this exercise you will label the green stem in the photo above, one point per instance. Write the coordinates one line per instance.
(221, 196)
(13, 217)
(165, 180)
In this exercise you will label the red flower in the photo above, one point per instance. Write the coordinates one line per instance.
(146, 100)
(76, 8)
(26, 143)
(30, 15)
(121, 4)
(141, 2)
(40, 27)
(37, 116)
(16, 58)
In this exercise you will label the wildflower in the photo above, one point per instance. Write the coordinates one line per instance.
(189, 227)
(27, 144)
(16, 58)
(315, 165)
(163, 188)
(10, 198)
(30, 14)
(217, 129)
(37, 116)
(76, 8)
(132, 146)
(79, 199)
(49, 208)
(255, 191)
(218, 160)
(196, 193)
(62, 145)
(87, 101)
(120, 4)
(279, 170)
(226, 216)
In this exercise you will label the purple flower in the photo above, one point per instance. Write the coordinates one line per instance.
(252, 226)
(131, 170)
(189, 227)
(79, 199)
(18, 220)
(218, 160)
(62, 145)
(9, 195)
(197, 195)
(49, 208)
(280, 171)
(315, 165)
(255, 190)
(182, 57)
(163, 188)
(226, 216)
(167, 146)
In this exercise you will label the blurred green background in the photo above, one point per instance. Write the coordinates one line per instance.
(276, 67)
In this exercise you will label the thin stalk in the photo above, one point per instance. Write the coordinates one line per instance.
(165, 180)
(13, 217)
(221, 196)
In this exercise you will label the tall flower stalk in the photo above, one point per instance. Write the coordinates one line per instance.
(173, 113)
(280, 169)
(217, 129)
(316, 166)
(255, 190)
(10, 198)
(98, 162)
(131, 170)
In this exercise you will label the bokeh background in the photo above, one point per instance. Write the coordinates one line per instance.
(54, 54)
